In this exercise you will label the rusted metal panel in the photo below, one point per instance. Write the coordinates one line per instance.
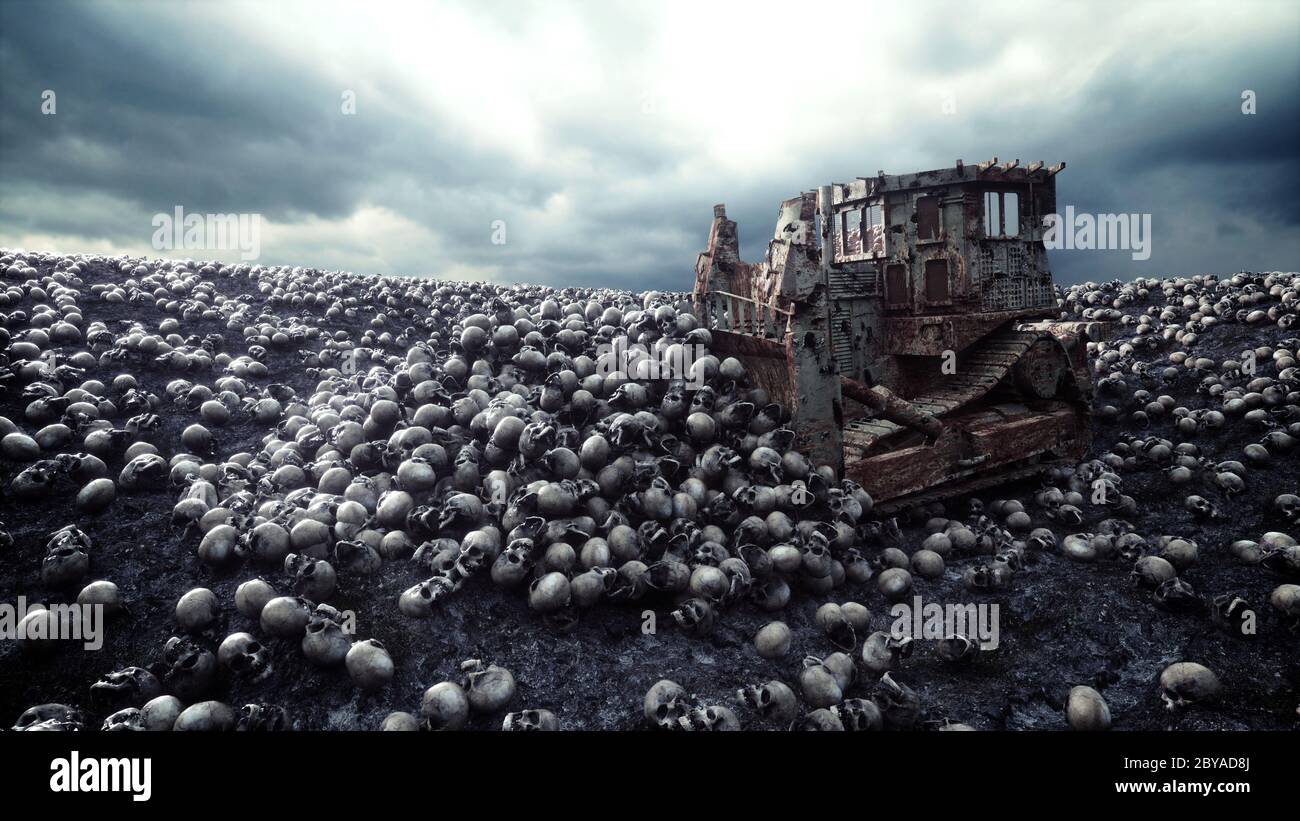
(1034, 433)
(908, 470)
(932, 335)
(928, 226)
(898, 285)
(938, 285)
(766, 361)
(975, 446)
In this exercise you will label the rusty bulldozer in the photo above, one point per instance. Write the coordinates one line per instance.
(907, 323)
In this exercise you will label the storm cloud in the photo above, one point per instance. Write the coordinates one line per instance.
(600, 135)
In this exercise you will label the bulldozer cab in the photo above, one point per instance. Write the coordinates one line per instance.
(886, 307)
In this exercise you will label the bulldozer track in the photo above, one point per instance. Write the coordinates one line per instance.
(962, 486)
(985, 365)
(980, 370)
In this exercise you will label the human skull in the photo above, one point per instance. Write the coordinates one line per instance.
(245, 656)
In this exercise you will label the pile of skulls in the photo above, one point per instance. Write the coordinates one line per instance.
(468, 430)
(582, 447)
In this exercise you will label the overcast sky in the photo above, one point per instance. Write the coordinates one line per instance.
(601, 133)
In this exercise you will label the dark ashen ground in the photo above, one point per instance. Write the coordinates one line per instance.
(1061, 623)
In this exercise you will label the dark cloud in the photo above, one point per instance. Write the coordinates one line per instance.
(160, 105)
(159, 115)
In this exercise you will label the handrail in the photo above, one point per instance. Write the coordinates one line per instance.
(746, 315)
(786, 311)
